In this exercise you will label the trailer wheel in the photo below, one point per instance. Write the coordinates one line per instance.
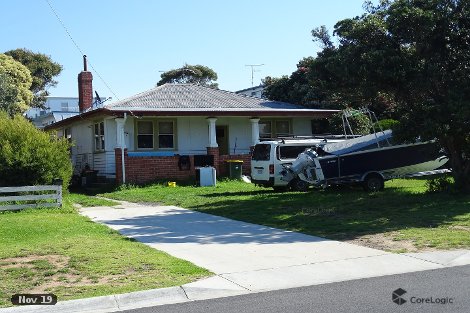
(373, 183)
(299, 185)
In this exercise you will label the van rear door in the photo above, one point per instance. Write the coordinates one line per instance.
(286, 154)
(260, 161)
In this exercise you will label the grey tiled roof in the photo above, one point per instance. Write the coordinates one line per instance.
(194, 97)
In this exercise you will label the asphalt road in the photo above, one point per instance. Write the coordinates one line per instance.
(445, 290)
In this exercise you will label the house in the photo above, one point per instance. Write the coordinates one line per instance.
(168, 131)
(55, 109)
(256, 91)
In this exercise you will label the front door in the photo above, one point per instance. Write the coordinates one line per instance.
(221, 133)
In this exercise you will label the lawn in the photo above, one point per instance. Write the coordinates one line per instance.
(404, 217)
(87, 201)
(60, 251)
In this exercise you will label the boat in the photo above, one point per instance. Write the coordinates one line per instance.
(369, 160)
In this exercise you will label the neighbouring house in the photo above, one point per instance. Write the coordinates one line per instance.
(55, 109)
(168, 131)
(256, 91)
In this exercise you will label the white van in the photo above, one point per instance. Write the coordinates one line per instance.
(268, 158)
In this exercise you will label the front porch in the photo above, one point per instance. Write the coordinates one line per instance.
(188, 143)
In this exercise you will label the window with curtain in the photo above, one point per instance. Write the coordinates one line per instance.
(282, 128)
(274, 128)
(265, 129)
(144, 135)
(166, 134)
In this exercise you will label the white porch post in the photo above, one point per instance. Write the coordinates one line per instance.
(254, 131)
(121, 143)
(212, 133)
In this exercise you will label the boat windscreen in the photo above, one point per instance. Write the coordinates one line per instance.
(359, 143)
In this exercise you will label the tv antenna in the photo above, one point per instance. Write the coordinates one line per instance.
(253, 70)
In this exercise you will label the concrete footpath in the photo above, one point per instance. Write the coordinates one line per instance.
(245, 257)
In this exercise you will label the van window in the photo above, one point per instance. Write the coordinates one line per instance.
(261, 152)
(291, 152)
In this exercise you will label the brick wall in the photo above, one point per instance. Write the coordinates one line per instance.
(140, 170)
(215, 153)
(146, 169)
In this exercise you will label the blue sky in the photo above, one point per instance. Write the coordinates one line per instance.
(129, 42)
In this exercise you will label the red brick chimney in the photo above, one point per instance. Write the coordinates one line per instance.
(85, 88)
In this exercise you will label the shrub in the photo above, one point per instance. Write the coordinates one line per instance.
(29, 156)
(439, 184)
(360, 124)
(387, 124)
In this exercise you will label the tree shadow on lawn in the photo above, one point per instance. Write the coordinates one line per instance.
(341, 214)
(239, 193)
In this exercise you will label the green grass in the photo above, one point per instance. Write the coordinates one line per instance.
(403, 210)
(60, 251)
(89, 201)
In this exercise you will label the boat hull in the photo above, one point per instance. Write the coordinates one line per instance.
(390, 162)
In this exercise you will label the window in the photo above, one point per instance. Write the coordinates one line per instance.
(166, 135)
(320, 126)
(265, 129)
(99, 136)
(282, 128)
(291, 152)
(68, 134)
(64, 106)
(273, 129)
(144, 135)
(261, 152)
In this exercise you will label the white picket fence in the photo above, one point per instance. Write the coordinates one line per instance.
(56, 196)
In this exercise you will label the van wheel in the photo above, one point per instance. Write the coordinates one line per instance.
(299, 185)
(373, 183)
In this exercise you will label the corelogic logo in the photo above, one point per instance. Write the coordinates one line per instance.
(396, 296)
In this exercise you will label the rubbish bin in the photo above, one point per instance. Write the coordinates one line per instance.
(234, 169)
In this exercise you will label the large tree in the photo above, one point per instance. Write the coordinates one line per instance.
(43, 70)
(192, 74)
(15, 81)
(408, 59)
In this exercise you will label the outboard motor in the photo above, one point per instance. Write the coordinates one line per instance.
(304, 160)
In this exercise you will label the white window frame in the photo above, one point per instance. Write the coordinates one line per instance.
(138, 134)
(274, 133)
(173, 122)
(99, 137)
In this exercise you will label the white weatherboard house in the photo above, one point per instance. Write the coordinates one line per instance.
(169, 130)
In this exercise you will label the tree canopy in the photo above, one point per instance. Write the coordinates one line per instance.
(43, 70)
(192, 74)
(15, 83)
(406, 59)
(29, 156)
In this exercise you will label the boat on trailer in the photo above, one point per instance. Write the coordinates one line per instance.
(369, 160)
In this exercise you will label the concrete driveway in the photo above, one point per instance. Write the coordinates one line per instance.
(247, 257)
